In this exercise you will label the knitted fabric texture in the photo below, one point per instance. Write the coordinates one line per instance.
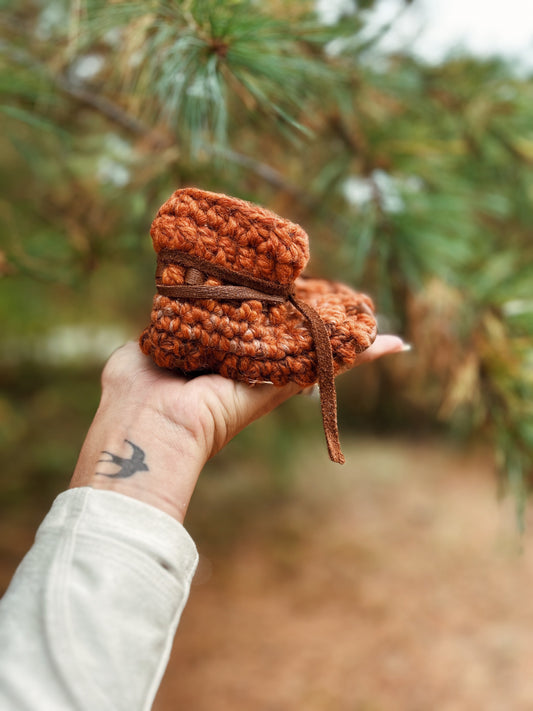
(261, 330)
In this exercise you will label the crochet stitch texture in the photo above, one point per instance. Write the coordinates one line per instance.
(267, 338)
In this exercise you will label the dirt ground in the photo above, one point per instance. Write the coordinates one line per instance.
(398, 582)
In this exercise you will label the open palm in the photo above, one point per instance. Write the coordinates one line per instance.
(209, 409)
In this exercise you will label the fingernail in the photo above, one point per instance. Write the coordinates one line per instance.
(406, 347)
(311, 391)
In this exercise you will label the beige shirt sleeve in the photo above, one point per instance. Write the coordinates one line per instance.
(89, 618)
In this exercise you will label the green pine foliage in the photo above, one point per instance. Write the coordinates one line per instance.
(414, 181)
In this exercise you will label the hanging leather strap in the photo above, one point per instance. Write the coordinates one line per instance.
(242, 287)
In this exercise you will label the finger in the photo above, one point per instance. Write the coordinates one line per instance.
(383, 345)
(259, 399)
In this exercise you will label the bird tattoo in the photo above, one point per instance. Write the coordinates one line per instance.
(128, 467)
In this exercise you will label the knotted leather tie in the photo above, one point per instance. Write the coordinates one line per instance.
(244, 287)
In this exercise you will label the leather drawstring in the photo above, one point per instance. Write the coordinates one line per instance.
(326, 378)
(244, 287)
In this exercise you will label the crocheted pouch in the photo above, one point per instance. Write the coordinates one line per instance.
(231, 301)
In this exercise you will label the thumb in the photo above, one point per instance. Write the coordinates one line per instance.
(253, 401)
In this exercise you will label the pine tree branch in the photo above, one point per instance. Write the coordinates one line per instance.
(77, 91)
(269, 174)
(103, 106)
(118, 115)
(511, 148)
(354, 141)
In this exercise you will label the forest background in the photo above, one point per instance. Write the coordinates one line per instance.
(413, 179)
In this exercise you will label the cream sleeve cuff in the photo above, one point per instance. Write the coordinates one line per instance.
(90, 615)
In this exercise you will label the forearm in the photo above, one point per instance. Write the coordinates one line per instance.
(138, 452)
(89, 618)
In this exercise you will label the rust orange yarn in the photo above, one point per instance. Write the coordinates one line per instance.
(206, 239)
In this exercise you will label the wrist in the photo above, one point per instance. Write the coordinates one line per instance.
(139, 452)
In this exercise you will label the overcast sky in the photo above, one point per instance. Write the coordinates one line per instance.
(432, 28)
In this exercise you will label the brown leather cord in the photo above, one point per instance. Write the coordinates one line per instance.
(185, 259)
(194, 276)
(246, 287)
(226, 292)
(326, 378)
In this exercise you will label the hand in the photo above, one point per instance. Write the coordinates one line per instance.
(154, 431)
